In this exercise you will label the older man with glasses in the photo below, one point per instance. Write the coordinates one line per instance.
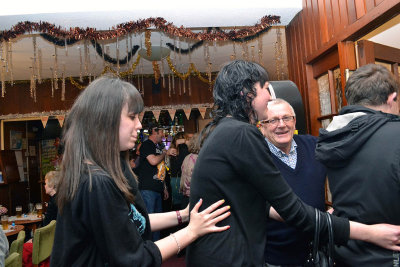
(294, 155)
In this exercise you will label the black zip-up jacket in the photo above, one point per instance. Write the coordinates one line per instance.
(361, 149)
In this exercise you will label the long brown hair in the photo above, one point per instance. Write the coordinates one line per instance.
(91, 136)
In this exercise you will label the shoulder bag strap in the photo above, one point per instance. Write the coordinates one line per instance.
(330, 244)
(316, 235)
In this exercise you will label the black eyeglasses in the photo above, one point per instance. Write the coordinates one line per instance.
(274, 122)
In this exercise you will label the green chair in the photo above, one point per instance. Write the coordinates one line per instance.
(17, 245)
(13, 260)
(43, 240)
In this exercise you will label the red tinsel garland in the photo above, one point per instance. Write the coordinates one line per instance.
(131, 27)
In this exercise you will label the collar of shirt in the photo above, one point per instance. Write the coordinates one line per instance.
(291, 159)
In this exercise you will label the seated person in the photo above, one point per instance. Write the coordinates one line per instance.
(51, 180)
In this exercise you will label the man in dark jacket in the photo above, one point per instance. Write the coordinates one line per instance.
(361, 150)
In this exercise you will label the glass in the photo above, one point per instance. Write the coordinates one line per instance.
(18, 211)
(31, 208)
(39, 209)
(4, 222)
(275, 122)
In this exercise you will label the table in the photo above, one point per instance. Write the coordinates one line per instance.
(30, 222)
(16, 230)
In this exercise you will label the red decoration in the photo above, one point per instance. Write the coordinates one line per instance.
(131, 27)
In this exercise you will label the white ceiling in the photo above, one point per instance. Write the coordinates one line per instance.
(103, 15)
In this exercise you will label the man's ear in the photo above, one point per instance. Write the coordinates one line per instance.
(392, 98)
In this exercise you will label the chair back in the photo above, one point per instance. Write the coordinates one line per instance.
(43, 240)
(13, 260)
(18, 244)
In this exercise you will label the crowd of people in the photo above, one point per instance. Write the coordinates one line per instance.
(242, 195)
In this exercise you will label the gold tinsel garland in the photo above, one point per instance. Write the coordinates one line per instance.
(123, 29)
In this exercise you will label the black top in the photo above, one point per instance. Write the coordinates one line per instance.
(235, 164)
(148, 179)
(176, 162)
(96, 228)
(51, 212)
(363, 159)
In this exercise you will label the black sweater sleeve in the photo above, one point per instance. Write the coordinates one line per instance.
(51, 212)
(267, 178)
(115, 234)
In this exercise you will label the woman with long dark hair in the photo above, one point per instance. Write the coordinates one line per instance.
(103, 220)
(234, 164)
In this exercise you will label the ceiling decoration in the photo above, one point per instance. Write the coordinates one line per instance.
(123, 29)
(100, 40)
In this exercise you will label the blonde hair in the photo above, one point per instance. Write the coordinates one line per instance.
(52, 178)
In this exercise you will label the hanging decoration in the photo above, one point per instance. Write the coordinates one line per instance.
(39, 66)
(2, 71)
(170, 108)
(187, 112)
(202, 111)
(61, 119)
(279, 62)
(260, 52)
(122, 29)
(64, 38)
(44, 120)
(141, 115)
(156, 114)
(172, 113)
(10, 63)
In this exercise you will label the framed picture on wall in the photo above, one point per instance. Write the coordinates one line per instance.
(15, 140)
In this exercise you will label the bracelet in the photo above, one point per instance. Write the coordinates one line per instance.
(177, 243)
(179, 217)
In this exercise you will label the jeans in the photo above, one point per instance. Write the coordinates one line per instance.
(153, 203)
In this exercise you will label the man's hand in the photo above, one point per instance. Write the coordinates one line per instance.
(172, 152)
(166, 195)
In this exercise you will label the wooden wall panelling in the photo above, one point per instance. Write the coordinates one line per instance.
(366, 53)
(332, 92)
(347, 60)
(344, 17)
(336, 16)
(369, 5)
(328, 62)
(360, 8)
(350, 29)
(299, 54)
(323, 21)
(17, 100)
(351, 11)
(316, 22)
(303, 78)
(380, 14)
(329, 19)
(386, 53)
(311, 25)
(307, 29)
(395, 70)
(313, 98)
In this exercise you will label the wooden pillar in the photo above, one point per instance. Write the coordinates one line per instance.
(347, 60)
(366, 52)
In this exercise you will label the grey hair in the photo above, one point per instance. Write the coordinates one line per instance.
(278, 101)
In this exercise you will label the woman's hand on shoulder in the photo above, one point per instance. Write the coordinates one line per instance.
(204, 222)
